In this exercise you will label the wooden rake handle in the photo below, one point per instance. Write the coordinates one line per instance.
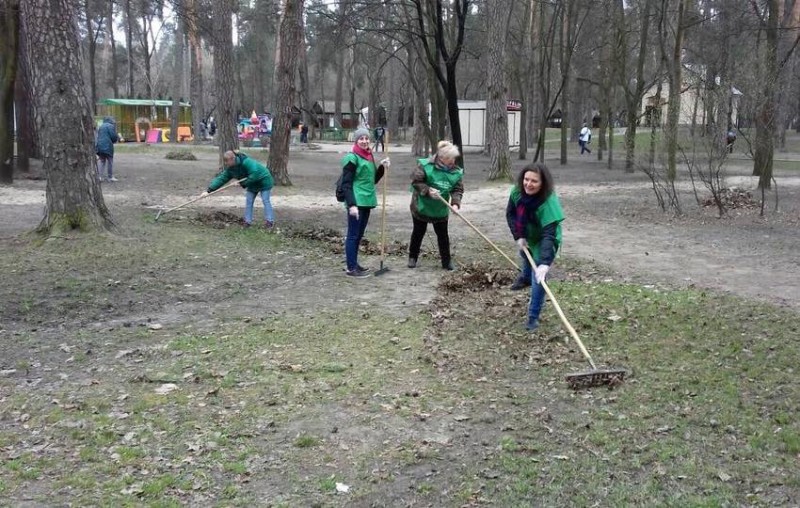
(383, 204)
(226, 186)
(561, 312)
(477, 231)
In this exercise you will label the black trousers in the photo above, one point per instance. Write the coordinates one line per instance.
(442, 238)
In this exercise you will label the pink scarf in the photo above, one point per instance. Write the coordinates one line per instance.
(364, 154)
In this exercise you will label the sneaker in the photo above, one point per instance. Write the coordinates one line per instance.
(359, 274)
(520, 283)
(412, 262)
(268, 224)
(449, 266)
(246, 224)
(532, 325)
(362, 269)
(112, 179)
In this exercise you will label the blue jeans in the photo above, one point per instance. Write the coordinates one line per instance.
(584, 147)
(355, 232)
(108, 162)
(250, 198)
(537, 291)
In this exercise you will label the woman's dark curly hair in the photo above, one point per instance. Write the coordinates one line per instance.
(547, 179)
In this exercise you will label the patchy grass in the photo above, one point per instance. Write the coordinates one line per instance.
(244, 400)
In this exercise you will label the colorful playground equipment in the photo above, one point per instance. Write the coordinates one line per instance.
(147, 120)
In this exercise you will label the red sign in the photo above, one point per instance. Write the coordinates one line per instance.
(513, 105)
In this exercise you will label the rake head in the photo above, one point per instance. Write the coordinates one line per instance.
(609, 377)
(380, 271)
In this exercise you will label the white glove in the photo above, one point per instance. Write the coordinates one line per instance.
(204, 194)
(386, 163)
(353, 211)
(434, 193)
(522, 243)
(541, 273)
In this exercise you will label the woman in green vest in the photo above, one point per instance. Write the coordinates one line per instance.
(534, 217)
(435, 176)
(359, 176)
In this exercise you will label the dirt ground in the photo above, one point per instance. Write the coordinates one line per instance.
(613, 229)
(612, 216)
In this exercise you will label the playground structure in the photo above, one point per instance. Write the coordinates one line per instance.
(255, 131)
(147, 120)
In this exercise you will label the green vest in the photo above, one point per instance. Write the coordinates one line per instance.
(441, 180)
(364, 181)
(548, 212)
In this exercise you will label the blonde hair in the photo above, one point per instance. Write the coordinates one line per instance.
(447, 149)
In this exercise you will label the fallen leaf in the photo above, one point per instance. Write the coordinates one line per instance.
(166, 388)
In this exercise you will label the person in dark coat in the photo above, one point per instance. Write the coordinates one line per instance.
(104, 146)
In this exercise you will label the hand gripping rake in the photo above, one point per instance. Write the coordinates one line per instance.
(226, 186)
(594, 377)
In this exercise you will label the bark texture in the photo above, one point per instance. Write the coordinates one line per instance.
(224, 78)
(63, 117)
(289, 35)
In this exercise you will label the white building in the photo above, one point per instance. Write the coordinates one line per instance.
(472, 116)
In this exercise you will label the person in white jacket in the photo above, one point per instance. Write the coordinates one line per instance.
(584, 138)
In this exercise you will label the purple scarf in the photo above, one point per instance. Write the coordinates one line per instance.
(526, 210)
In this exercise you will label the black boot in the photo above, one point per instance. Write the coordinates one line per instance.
(412, 262)
(520, 283)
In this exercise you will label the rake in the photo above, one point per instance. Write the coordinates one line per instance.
(594, 377)
(227, 186)
(576, 380)
(383, 269)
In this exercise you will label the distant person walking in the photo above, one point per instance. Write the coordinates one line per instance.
(104, 146)
(730, 139)
(584, 138)
(380, 134)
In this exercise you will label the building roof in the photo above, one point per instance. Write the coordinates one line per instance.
(140, 102)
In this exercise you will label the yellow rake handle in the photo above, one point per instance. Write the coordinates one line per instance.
(226, 186)
(561, 312)
(477, 231)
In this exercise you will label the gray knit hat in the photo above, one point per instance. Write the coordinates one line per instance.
(361, 131)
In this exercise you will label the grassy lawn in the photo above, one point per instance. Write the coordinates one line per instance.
(450, 405)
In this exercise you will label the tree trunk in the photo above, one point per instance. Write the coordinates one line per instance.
(146, 56)
(289, 41)
(110, 17)
(177, 77)
(27, 144)
(227, 137)
(499, 12)
(63, 118)
(129, 21)
(91, 36)
(305, 96)
(674, 99)
(195, 68)
(9, 25)
(765, 118)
